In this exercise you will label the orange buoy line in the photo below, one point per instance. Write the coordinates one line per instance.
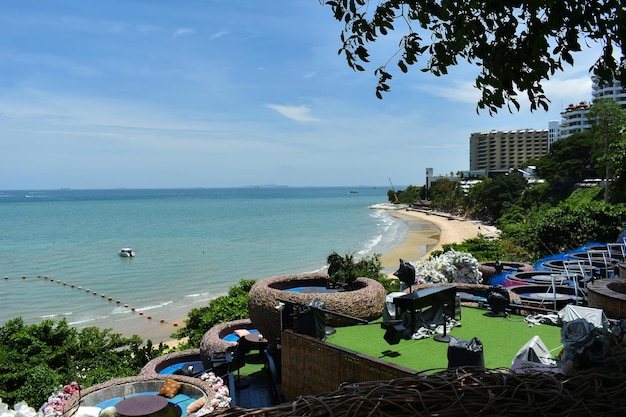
(87, 290)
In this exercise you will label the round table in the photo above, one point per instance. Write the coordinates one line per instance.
(141, 405)
(255, 340)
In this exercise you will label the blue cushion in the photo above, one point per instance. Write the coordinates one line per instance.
(231, 337)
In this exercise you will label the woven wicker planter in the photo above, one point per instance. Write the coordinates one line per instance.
(213, 341)
(124, 387)
(156, 365)
(366, 301)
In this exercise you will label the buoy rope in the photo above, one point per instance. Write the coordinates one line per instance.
(95, 293)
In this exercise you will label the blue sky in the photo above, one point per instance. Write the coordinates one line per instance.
(214, 93)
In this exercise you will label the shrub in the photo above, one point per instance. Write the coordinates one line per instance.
(568, 226)
(233, 306)
(35, 359)
(345, 270)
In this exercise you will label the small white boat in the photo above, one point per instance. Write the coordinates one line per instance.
(126, 253)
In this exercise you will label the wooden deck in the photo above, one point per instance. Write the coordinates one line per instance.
(256, 384)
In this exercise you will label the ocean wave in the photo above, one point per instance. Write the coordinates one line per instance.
(55, 315)
(87, 320)
(196, 295)
(391, 231)
(200, 296)
(153, 307)
(121, 310)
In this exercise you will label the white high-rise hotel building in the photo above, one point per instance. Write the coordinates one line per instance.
(574, 117)
(503, 150)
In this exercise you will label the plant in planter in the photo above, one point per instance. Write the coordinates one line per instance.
(344, 270)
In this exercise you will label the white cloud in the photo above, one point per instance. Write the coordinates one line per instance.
(297, 113)
(463, 92)
(183, 32)
(570, 90)
(219, 35)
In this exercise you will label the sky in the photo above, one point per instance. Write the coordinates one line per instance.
(226, 93)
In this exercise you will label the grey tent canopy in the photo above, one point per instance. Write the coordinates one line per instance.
(594, 316)
(535, 351)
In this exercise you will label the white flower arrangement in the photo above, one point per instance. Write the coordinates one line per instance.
(20, 409)
(451, 266)
(222, 394)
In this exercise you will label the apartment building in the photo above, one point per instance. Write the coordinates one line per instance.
(614, 91)
(574, 119)
(504, 150)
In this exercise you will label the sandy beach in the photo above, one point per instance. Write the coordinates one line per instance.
(446, 229)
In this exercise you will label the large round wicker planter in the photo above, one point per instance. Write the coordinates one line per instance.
(213, 342)
(488, 269)
(157, 364)
(124, 387)
(366, 301)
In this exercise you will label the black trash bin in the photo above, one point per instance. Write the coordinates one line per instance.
(465, 353)
(310, 320)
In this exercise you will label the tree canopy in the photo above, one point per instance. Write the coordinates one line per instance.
(233, 306)
(517, 44)
(489, 198)
(569, 225)
(569, 161)
(35, 359)
(608, 121)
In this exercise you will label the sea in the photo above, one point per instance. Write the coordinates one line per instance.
(59, 248)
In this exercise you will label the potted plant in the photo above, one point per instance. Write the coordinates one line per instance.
(344, 270)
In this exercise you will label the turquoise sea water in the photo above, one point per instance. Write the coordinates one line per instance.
(191, 245)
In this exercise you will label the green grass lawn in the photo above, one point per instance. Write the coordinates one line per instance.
(501, 337)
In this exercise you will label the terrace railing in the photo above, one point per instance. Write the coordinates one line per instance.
(311, 366)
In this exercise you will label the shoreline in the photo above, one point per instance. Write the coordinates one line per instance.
(419, 244)
(428, 231)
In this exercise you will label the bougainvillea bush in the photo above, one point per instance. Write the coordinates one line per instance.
(222, 399)
(54, 406)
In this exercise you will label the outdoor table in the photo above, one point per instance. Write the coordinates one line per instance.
(255, 341)
(141, 405)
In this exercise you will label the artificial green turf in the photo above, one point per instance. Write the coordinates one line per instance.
(254, 364)
(501, 338)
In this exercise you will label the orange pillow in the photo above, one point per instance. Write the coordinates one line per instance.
(170, 388)
(196, 405)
